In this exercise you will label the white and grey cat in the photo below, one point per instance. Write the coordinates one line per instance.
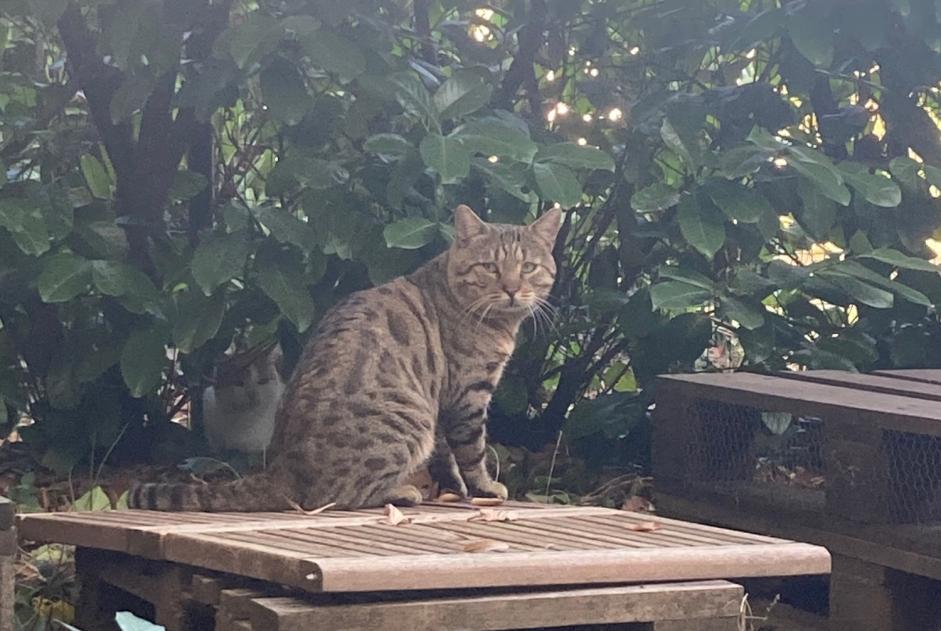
(239, 408)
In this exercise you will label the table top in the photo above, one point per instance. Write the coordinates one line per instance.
(437, 546)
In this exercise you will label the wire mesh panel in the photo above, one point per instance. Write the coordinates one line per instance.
(914, 477)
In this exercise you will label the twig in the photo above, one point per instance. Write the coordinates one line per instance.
(555, 453)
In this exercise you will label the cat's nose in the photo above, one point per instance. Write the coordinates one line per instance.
(511, 291)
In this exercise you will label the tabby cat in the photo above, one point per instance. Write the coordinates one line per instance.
(394, 376)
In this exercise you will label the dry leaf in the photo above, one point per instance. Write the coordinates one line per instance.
(394, 516)
(486, 501)
(638, 504)
(486, 545)
(449, 497)
(644, 526)
(490, 514)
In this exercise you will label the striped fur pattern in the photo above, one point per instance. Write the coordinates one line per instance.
(397, 376)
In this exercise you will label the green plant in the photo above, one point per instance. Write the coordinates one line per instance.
(182, 174)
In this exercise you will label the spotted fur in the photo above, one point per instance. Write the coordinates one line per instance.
(397, 376)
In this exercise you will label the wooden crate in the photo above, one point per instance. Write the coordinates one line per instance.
(875, 451)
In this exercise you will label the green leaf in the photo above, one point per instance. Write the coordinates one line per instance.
(334, 53)
(465, 92)
(557, 183)
(63, 277)
(898, 259)
(512, 178)
(220, 258)
(95, 176)
(933, 175)
(875, 188)
(143, 359)
(25, 222)
(287, 228)
(284, 92)
(410, 233)
(678, 296)
(414, 98)
(113, 278)
(817, 168)
(812, 35)
(687, 276)
(742, 160)
(819, 211)
(257, 36)
(94, 499)
(387, 144)
(284, 284)
(130, 96)
(905, 171)
(686, 148)
(575, 156)
(445, 155)
(187, 185)
(492, 136)
(857, 269)
(657, 196)
(860, 291)
(749, 317)
(738, 202)
(198, 319)
(105, 238)
(701, 226)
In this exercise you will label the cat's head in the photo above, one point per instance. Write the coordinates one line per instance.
(500, 268)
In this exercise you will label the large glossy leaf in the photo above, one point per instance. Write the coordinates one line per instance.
(898, 259)
(284, 92)
(814, 166)
(412, 95)
(95, 176)
(875, 188)
(905, 170)
(387, 144)
(130, 96)
(860, 291)
(410, 233)
(446, 155)
(688, 276)
(253, 38)
(492, 136)
(557, 183)
(287, 228)
(63, 277)
(575, 156)
(812, 33)
(334, 53)
(657, 196)
(114, 278)
(701, 226)
(220, 258)
(464, 93)
(738, 202)
(143, 359)
(819, 211)
(745, 314)
(24, 220)
(284, 284)
(677, 296)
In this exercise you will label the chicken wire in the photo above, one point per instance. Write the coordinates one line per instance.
(780, 459)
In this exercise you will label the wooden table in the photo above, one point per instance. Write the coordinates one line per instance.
(354, 570)
(858, 469)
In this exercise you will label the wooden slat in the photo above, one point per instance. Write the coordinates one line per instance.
(572, 567)
(608, 605)
(870, 383)
(923, 375)
(869, 409)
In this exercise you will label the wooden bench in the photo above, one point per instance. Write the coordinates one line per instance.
(560, 566)
(855, 466)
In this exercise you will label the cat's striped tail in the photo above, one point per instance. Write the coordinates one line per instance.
(253, 493)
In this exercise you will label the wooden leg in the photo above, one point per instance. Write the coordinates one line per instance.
(7, 594)
(93, 611)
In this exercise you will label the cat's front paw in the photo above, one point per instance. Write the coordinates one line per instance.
(490, 488)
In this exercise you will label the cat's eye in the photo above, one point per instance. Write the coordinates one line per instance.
(490, 267)
(529, 267)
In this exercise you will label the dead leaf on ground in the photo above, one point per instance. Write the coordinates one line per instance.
(644, 526)
(486, 545)
(394, 516)
(490, 514)
(449, 497)
(486, 501)
(638, 504)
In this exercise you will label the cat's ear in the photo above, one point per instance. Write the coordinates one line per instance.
(467, 224)
(547, 226)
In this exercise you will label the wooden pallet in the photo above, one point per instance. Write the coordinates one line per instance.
(359, 551)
